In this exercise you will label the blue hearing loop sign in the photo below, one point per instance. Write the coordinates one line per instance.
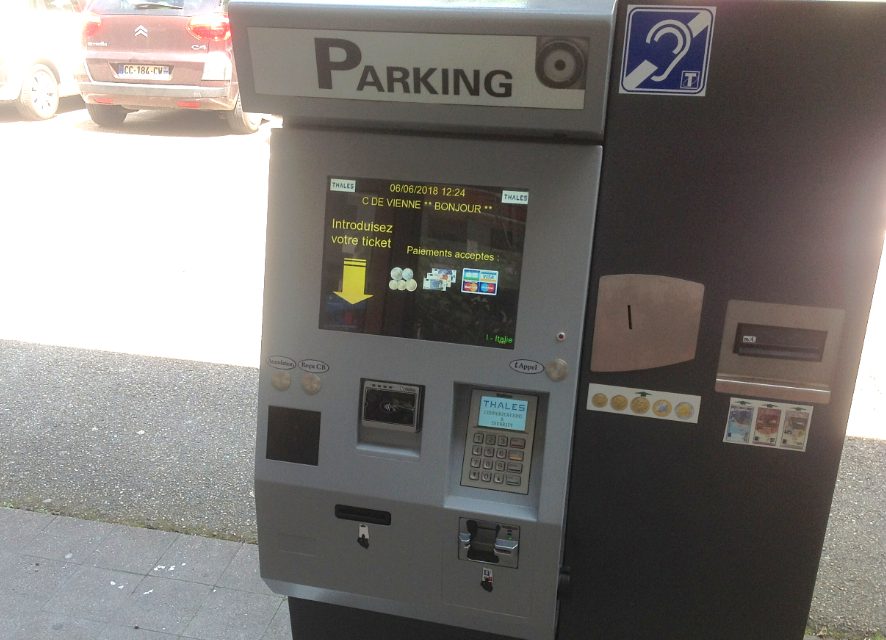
(667, 50)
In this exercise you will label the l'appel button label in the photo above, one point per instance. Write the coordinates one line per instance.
(527, 366)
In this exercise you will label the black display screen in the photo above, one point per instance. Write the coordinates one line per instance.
(423, 260)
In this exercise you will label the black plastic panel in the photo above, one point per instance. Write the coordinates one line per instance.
(316, 620)
(293, 435)
(770, 189)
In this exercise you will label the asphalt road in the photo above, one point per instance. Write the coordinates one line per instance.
(150, 241)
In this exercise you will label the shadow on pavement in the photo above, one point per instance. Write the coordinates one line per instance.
(168, 122)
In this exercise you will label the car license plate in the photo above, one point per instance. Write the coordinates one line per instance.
(143, 71)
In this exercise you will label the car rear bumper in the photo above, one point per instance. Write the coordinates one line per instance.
(150, 96)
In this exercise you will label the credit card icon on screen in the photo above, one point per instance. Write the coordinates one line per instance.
(480, 281)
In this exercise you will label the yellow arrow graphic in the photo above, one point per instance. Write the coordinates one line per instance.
(353, 281)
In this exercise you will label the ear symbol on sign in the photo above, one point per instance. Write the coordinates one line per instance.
(681, 34)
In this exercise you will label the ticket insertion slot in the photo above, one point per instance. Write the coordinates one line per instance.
(786, 343)
(779, 351)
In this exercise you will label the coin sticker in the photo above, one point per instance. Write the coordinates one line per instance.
(640, 405)
(619, 403)
(661, 408)
(684, 410)
(599, 400)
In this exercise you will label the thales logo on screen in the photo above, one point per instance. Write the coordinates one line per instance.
(338, 54)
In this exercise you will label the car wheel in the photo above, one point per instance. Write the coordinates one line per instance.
(241, 122)
(106, 115)
(39, 97)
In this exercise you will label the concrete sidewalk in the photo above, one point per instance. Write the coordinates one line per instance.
(77, 579)
(82, 580)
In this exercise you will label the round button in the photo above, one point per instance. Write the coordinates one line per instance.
(619, 403)
(557, 369)
(281, 380)
(639, 405)
(599, 400)
(661, 408)
(311, 383)
(684, 410)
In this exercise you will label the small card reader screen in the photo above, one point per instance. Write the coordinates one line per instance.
(389, 406)
(502, 413)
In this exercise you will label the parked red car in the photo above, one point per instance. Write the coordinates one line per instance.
(160, 54)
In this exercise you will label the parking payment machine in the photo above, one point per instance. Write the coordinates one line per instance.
(557, 324)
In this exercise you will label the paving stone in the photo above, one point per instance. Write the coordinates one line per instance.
(114, 632)
(18, 527)
(48, 625)
(243, 572)
(162, 604)
(280, 628)
(196, 559)
(233, 615)
(68, 539)
(12, 604)
(131, 549)
(36, 579)
(94, 593)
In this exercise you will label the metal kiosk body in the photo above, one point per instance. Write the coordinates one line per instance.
(564, 304)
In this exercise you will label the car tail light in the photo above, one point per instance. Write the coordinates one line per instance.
(92, 24)
(214, 26)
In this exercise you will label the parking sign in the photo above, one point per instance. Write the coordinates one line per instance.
(667, 50)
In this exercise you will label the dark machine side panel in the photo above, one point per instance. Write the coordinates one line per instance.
(772, 188)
